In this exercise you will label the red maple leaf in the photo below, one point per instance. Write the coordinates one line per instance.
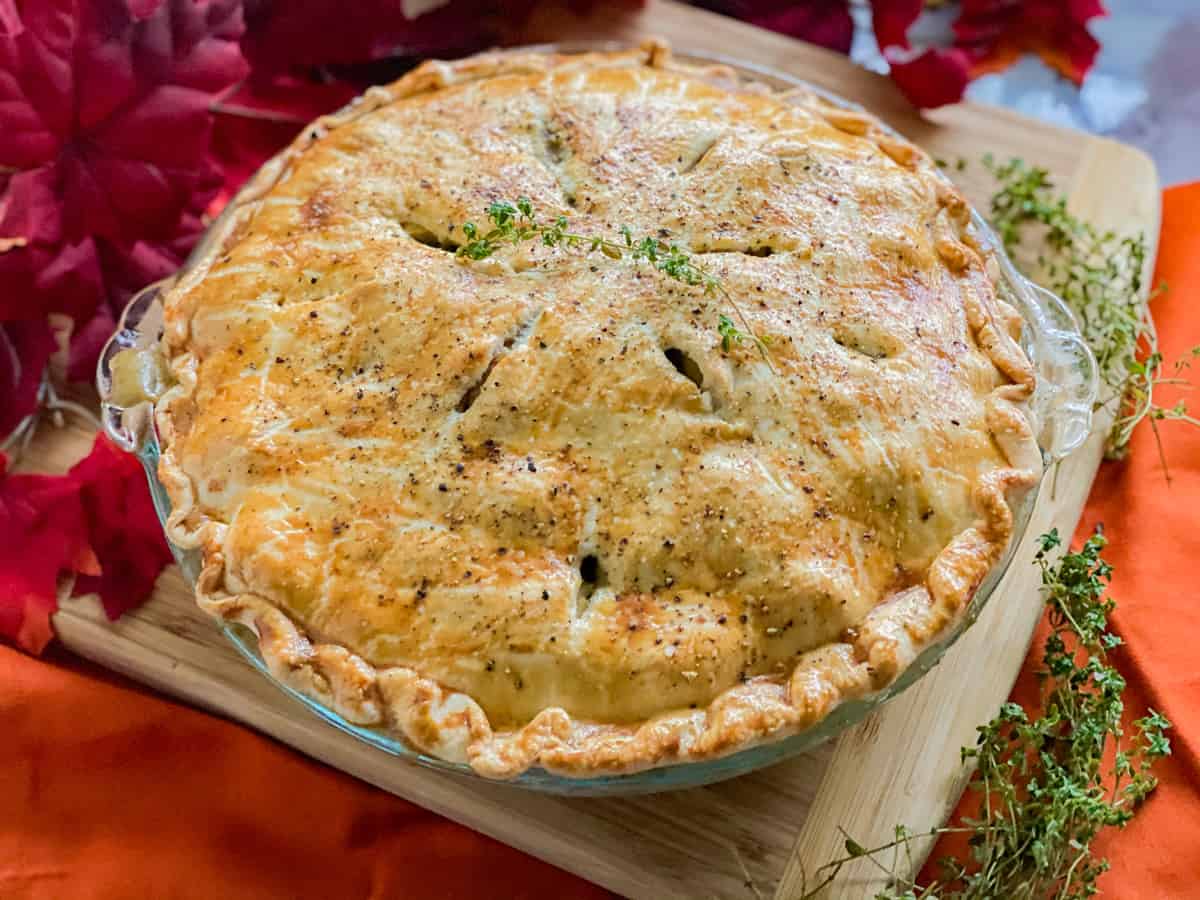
(931, 77)
(826, 23)
(42, 535)
(122, 527)
(995, 33)
(25, 349)
(96, 522)
(283, 34)
(104, 153)
(286, 34)
(990, 35)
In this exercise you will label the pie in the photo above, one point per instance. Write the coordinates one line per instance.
(542, 509)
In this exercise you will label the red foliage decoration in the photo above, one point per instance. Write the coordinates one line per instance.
(824, 22)
(105, 172)
(104, 152)
(122, 528)
(96, 524)
(931, 77)
(284, 34)
(994, 34)
(989, 35)
(25, 350)
(42, 535)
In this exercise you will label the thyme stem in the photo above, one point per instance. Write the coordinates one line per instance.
(515, 223)
(1099, 274)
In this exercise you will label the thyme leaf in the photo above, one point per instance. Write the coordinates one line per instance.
(1048, 782)
(515, 223)
(730, 334)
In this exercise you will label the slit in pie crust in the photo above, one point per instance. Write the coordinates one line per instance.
(527, 511)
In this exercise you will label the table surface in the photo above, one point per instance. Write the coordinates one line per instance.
(1144, 89)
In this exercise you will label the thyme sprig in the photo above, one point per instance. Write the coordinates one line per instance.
(1099, 274)
(1047, 785)
(515, 223)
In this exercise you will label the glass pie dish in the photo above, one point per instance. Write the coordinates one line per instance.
(131, 374)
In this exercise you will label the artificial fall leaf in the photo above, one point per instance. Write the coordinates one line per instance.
(104, 152)
(95, 523)
(989, 36)
(823, 22)
(122, 528)
(931, 77)
(25, 349)
(43, 534)
(994, 34)
(285, 34)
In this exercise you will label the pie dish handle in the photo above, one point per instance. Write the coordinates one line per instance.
(1068, 375)
(130, 374)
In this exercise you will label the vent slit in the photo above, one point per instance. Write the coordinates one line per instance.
(700, 149)
(864, 343)
(591, 576)
(686, 366)
(472, 393)
(423, 235)
(761, 250)
(516, 339)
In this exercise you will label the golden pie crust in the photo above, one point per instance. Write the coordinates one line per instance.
(529, 511)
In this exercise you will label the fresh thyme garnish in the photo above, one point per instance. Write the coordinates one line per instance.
(730, 333)
(1047, 785)
(515, 223)
(1099, 276)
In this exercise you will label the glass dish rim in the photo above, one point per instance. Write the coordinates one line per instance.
(1061, 410)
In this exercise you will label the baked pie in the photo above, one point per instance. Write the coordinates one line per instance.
(539, 509)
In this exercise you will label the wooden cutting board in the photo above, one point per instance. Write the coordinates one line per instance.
(758, 835)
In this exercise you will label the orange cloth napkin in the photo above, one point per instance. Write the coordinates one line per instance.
(108, 791)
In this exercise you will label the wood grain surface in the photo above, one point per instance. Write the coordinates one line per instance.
(762, 834)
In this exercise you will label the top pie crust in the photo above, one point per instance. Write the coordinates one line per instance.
(396, 464)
